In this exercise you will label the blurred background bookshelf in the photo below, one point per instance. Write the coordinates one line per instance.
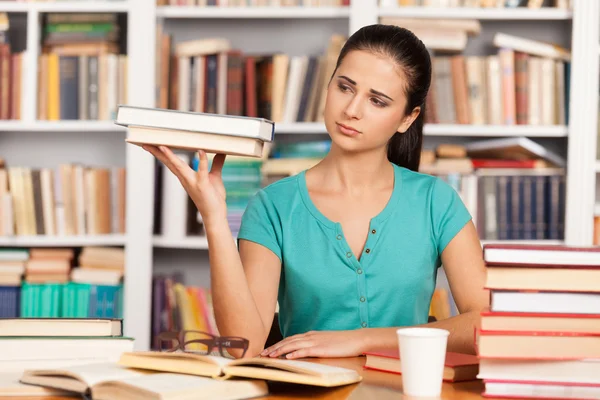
(271, 59)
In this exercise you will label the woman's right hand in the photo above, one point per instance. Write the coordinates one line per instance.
(206, 189)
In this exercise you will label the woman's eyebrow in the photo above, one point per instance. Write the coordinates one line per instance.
(371, 90)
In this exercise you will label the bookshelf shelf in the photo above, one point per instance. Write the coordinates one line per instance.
(444, 130)
(495, 130)
(300, 127)
(191, 242)
(543, 14)
(62, 241)
(60, 126)
(252, 12)
(6, 6)
(81, 6)
(526, 242)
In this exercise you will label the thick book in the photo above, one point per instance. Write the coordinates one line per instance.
(61, 327)
(575, 303)
(575, 371)
(518, 148)
(23, 348)
(218, 124)
(263, 368)
(107, 381)
(540, 322)
(185, 140)
(457, 367)
(541, 255)
(566, 279)
(517, 389)
(537, 345)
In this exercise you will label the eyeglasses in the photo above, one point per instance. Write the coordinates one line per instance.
(200, 342)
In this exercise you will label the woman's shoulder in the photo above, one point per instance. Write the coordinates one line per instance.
(281, 190)
(416, 178)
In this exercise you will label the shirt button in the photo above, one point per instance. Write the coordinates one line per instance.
(373, 231)
(348, 254)
(364, 324)
(368, 251)
(339, 237)
(359, 271)
(362, 299)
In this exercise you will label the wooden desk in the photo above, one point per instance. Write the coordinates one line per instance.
(374, 386)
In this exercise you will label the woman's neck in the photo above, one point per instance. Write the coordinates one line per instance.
(354, 172)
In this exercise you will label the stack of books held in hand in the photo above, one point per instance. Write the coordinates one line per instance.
(213, 133)
(541, 336)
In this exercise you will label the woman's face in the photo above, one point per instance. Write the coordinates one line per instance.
(366, 102)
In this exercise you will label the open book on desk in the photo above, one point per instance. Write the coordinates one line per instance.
(272, 369)
(109, 381)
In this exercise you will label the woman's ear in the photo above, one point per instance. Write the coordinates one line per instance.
(408, 120)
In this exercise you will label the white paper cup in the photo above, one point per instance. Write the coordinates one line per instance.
(422, 357)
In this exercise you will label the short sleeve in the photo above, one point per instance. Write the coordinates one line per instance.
(448, 212)
(261, 224)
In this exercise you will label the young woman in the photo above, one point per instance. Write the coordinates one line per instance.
(350, 248)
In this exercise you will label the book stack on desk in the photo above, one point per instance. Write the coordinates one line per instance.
(27, 343)
(541, 334)
(213, 133)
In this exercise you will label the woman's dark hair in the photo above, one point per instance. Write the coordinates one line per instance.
(409, 52)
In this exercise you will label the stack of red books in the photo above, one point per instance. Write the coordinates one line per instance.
(541, 336)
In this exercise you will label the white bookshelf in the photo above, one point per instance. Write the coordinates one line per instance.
(446, 130)
(60, 126)
(514, 14)
(191, 242)
(260, 29)
(495, 130)
(63, 241)
(251, 12)
(65, 6)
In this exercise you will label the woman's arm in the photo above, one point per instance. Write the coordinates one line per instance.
(463, 262)
(244, 284)
(244, 287)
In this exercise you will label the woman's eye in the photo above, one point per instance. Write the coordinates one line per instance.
(343, 88)
(378, 102)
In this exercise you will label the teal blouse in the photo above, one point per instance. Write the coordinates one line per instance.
(323, 286)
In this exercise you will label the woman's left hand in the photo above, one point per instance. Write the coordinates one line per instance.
(319, 344)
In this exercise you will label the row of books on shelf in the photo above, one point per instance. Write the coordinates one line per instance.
(510, 88)
(254, 3)
(92, 265)
(522, 84)
(71, 199)
(208, 75)
(82, 75)
(11, 71)
(177, 307)
(514, 188)
(540, 335)
(534, 4)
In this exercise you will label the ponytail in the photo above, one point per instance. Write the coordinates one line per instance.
(404, 148)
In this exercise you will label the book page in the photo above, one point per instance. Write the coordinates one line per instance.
(179, 362)
(292, 371)
(90, 374)
(302, 367)
(170, 385)
(10, 386)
